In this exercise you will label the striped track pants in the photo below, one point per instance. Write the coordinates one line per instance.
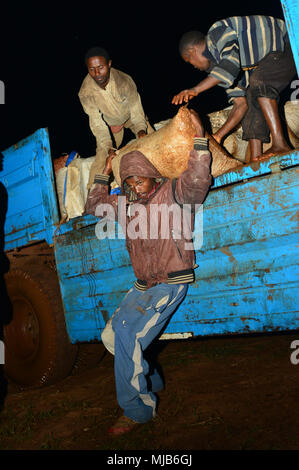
(137, 321)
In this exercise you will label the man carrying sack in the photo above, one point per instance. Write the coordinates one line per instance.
(163, 266)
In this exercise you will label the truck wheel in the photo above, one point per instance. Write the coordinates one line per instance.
(37, 347)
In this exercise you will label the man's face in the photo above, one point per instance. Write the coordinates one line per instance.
(141, 186)
(99, 70)
(194, 56)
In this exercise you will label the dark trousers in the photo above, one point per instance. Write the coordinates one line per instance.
(137, 321)
(272, 75)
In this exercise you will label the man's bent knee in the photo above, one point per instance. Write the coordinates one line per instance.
(259, 89)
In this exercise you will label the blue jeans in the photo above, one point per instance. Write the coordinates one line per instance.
(138, 320)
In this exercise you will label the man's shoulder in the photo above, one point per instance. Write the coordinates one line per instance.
(86, 86)
(244, 23)
(121, 77)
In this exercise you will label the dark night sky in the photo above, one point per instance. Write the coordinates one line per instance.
(42, 67)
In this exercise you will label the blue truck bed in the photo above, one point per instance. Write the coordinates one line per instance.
(247, 275)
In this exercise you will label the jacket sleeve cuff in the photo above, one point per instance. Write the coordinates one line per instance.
(201, 143)
(101, 179)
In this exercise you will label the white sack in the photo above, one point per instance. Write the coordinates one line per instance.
(76, 175)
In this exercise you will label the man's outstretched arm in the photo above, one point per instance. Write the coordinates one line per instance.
(193, 184)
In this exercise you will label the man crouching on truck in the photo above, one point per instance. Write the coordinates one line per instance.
(251, 58)
(163, 268)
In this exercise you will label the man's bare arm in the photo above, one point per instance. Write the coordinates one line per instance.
(186, 95)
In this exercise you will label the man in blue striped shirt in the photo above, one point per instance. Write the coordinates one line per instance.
(251, 58)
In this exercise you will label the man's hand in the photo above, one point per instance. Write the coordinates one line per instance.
(199, 130)
(204, 85)
(108, 167)
(184, 96)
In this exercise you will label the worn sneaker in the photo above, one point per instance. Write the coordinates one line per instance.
(122, 426)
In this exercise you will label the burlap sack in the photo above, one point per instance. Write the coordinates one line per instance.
(169, 147)
(233, 143)
(60, 174)
(291, 110)
(59, 163)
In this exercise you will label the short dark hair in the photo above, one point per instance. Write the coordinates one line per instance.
(97, 52)
(189, 39)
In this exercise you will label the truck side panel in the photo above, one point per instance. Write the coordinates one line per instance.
(291, 15)
(28, 177)
(94, 275)
(247, 279)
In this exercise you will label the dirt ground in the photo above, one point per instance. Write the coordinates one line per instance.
(229, 393)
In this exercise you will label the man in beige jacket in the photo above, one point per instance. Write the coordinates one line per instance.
(111, 100)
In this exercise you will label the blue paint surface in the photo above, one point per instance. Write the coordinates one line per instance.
(247, 279)
(28, 177)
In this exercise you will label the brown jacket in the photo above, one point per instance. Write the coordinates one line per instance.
(164, 258)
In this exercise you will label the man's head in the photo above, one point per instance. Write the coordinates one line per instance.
(138, 176)
(191, 48)
(98, 64)
(141, 186)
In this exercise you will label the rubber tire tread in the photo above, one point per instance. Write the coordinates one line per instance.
(60, 356)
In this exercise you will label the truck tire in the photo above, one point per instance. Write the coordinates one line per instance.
(37, 348)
